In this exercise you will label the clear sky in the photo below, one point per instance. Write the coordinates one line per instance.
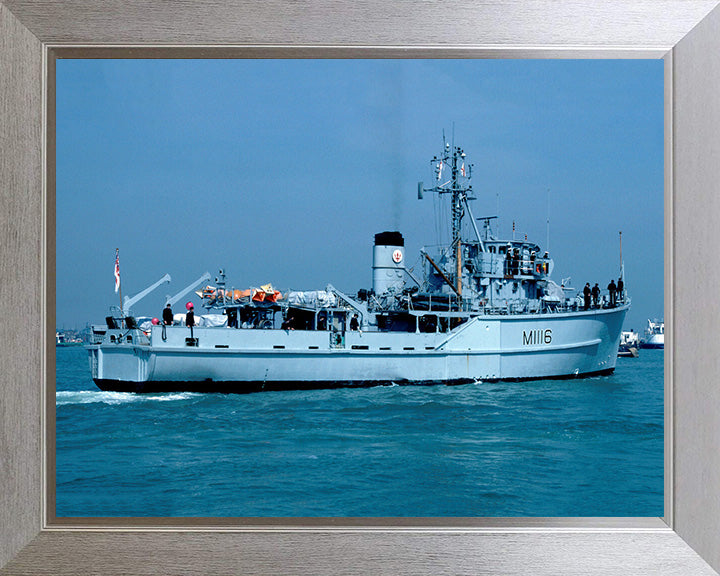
(282, 171)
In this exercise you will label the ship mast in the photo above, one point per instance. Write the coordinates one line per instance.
(453, 158)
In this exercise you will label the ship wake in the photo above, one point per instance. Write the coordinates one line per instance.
(66, 397)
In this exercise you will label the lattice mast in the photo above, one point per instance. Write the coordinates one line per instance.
(453, 158)
(458, 186)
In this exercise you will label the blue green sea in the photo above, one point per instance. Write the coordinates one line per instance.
(586, 447)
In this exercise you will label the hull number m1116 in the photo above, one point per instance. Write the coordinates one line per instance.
(532, 337)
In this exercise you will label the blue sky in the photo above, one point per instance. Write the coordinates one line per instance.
(282, 171)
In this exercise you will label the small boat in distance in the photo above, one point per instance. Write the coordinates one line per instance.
(654, 335)
(62, 339)
(629, 344)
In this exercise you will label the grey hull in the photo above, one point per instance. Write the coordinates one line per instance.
(241, 387)
(485, 348)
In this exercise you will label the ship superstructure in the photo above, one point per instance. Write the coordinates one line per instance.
(484, 308)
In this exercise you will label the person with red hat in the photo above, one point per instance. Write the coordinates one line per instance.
(190, 316)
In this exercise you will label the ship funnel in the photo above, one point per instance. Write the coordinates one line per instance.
(388, 262)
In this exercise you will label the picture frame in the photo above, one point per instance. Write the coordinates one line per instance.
(685, 33)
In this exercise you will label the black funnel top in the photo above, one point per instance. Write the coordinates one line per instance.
(389, 239)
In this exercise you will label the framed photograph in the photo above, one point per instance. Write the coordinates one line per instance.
(280, 542)
(391, 378)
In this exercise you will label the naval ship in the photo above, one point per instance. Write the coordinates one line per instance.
(484, 309)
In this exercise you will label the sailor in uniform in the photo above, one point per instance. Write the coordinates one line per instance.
(586, 295)
(167, 315)
(354, 324)
(612, 288)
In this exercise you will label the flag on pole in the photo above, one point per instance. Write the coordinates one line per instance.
(117, 269)
(462, 169)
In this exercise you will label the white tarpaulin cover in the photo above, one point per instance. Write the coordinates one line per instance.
(553, 292)
(206, 320)
(212, 320)
(312, 299)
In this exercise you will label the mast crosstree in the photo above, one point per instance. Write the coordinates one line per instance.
(458, 186)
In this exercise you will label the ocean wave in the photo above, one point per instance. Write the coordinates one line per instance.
(67, 397)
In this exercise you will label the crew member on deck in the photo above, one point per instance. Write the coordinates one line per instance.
(190, 316)
(167, 315)
(611, 289)
(354, 324)
(586, 295)
(620, 289)
(596, 295)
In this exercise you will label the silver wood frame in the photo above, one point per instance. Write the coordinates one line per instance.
(686, 33)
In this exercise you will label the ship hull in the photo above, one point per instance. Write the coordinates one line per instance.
(485, 348)
(246, 387)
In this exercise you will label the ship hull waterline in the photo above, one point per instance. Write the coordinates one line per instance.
(486, 348)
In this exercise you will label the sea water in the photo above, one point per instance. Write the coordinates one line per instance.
(583, 447)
